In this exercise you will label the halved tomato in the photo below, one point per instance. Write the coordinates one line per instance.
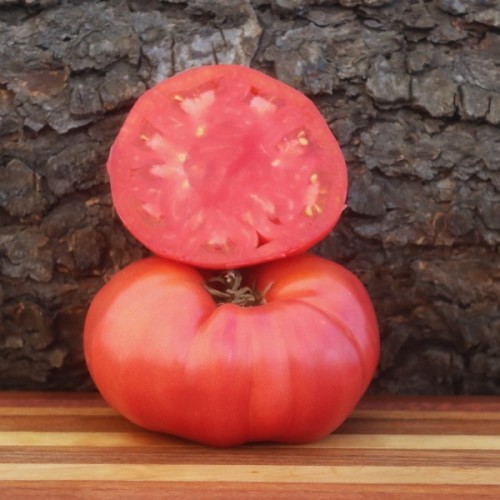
(223, 166)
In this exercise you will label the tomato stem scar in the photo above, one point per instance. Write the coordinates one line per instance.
(228, 288)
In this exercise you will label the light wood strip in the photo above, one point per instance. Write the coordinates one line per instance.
(252, 473)
(351, 441)
(409, 442)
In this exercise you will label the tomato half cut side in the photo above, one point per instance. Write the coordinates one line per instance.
(223, 166)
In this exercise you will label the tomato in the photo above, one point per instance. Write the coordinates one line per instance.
(165, 355)
(223, 166)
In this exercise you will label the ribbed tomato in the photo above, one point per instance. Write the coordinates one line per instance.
(290, 368)
(223, 166)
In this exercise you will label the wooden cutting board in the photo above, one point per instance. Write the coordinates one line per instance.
(71, 445)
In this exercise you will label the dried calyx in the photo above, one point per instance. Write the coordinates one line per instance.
(228, 288)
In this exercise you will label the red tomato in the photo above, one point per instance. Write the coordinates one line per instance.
(291, 369)
(224, 167)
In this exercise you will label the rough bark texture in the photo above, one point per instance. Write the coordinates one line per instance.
(410, 88)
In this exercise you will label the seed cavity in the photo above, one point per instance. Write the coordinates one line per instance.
(170, 169)
(219, 243)
(312, 206)
(312, 210)
(261, 105)
(301, 137)
(163, 171)
(153, 211)
(266, 205)
(160, 145)
(293, 144)
(198, 105)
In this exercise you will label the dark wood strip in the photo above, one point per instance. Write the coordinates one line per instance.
(433, 403)
(369, 402)
(92, 490)
(420, 426)
(251, 455)
(52, 399)
(116, 423)
(70, 423)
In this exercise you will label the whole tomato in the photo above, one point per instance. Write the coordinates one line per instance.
(287, 360)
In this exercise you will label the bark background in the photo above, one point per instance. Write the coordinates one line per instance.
(410, 88)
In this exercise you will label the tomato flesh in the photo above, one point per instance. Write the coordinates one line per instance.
(223, 166)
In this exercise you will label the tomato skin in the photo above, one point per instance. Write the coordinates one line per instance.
(222, 166)
(164, 355)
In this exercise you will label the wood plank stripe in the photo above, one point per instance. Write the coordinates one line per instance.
(89, 439)
(112, 490)
(369, 402)
(67, 423)
(248, 455)
(59, 399)
(426, 415)
(357, 414)
(432, 403)
(409, 442)
(37, 411)
(115, 423)
(417, 427)
(252, 473)
(352, 441)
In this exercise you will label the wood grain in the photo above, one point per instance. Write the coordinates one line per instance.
(73, 446)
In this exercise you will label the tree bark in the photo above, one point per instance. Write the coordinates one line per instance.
(410, 88)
